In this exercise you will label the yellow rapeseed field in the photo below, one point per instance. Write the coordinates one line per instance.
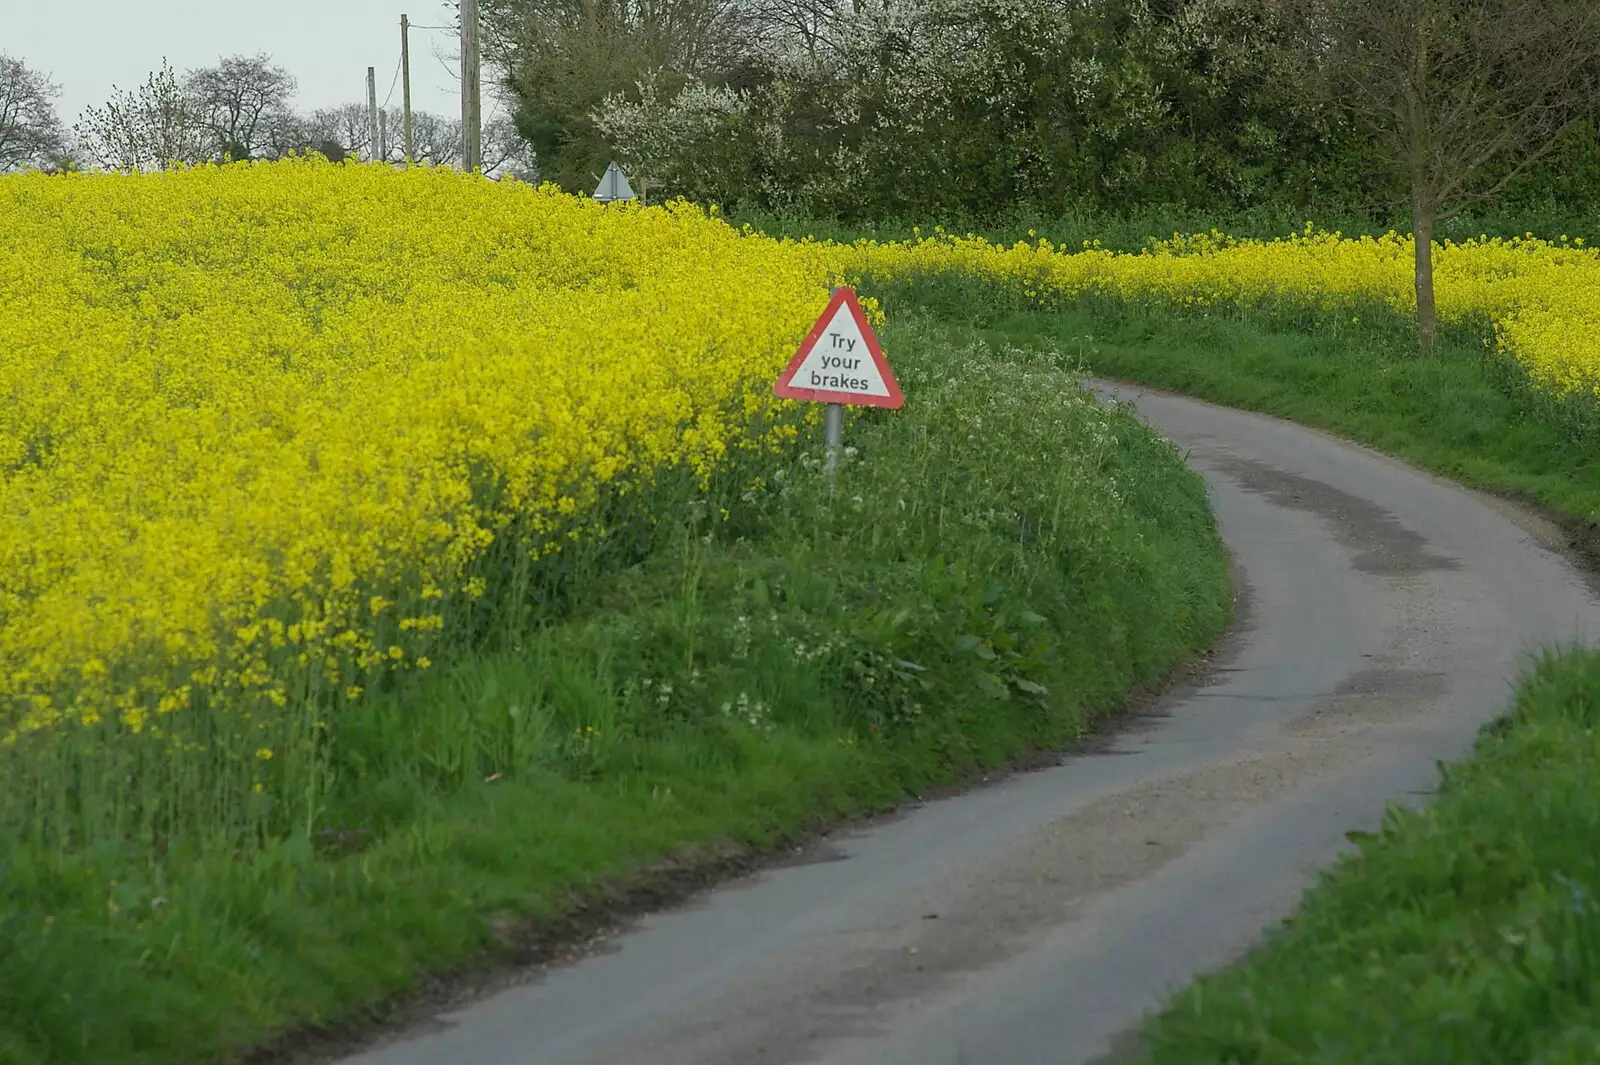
(255, 422)
(1541, 299)
(259, 425)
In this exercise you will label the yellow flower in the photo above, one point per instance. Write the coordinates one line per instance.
(253, 413)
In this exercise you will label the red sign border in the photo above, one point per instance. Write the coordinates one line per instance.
(785, 390)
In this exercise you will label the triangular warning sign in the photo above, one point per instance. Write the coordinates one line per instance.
(613, 186)
(840, 361)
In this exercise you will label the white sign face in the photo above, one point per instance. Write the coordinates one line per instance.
(841, 360)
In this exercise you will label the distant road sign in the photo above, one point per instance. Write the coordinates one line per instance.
(614, 186)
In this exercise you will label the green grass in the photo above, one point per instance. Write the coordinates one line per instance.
(1465, 411)
(1132, 232)
(1467, 933)
(1001, 564)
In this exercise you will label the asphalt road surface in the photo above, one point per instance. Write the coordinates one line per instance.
(1383, 616)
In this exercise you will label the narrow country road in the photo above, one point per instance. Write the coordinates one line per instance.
(1384, 613)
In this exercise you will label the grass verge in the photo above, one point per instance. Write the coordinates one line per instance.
(1467, 932)
(1000, 565)
(1134, 231)
(1465, 411)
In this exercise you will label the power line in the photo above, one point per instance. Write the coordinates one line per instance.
(392, 83)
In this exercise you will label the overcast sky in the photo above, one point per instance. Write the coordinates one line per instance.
(87, 46)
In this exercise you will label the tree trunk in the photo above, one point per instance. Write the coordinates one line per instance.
(1427, 310)
(1424, 202)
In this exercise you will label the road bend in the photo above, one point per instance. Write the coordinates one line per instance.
(1383, 616)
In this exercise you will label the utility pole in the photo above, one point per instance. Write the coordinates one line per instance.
(471, 109)
(405, 78)
(372, 112)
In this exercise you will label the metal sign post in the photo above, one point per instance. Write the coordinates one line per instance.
(833, 430)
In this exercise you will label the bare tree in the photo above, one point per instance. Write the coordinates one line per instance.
(436, 139)
(288, 132)
(150, 128)
(810, 27)
(31, 133)
(505, 151)
(345, 126)
(244, 103)
(1470, 93)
